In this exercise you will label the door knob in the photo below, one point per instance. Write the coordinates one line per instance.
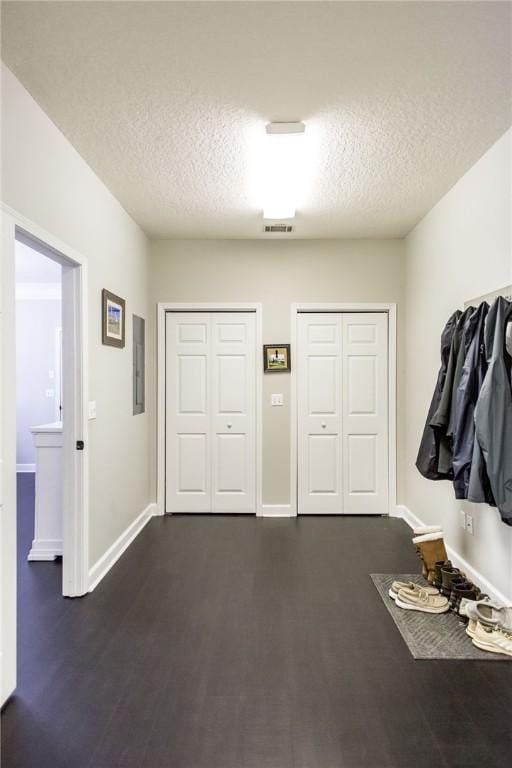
(229, 426)
(324, 425)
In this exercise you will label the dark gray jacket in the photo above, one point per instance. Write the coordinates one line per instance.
(428, 454)
(493, 416)
(442, 420)
(466, 396)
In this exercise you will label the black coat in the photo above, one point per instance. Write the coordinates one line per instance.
(428, 454)
(493, 417)
(466, 397)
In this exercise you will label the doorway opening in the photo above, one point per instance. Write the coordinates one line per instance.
(38, 407)
(50, 399)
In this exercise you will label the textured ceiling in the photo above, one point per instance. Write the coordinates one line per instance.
(165, 101)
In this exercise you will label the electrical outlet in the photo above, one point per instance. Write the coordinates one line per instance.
(462, 519)
(276, 400)
(469, 523)
(49, 393)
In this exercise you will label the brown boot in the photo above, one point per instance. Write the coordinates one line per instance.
(423, 566)
(421, 531)
(431, 550)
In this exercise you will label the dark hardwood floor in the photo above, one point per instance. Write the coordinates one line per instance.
(232, 642)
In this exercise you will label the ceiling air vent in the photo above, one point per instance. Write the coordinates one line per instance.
(278, 228)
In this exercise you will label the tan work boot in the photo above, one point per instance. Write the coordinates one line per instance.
(431, 549)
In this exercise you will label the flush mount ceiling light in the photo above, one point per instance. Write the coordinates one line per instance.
(281, 170)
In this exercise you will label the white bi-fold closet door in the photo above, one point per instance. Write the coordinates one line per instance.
(342, 413)
(210, 412)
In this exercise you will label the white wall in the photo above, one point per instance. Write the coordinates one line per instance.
(46, 180)
(278, 273)
(460, 250)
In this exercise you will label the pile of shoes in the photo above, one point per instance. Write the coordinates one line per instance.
(448, 589)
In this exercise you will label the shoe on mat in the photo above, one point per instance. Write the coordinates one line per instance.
(493, 639)
(466, 602)
(449, 576)
(398, 585)
(438, 577)
(460, 590)
(421, 600)
(488, 614)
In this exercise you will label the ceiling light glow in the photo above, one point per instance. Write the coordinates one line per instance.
(281, 169)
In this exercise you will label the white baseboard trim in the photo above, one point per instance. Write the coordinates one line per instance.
(476, 577)
(25, 467)
(45, 549)
(113, 553)
(409, 517)
(277, 510)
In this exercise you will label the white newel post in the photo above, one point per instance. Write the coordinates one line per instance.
(47, 543)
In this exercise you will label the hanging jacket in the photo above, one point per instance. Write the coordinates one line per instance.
(466, 396)
(441, 419)
(479, 488)
(428, 454)
(493, 416)
(468, 330)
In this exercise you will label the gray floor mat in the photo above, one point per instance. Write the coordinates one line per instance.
(430, 636)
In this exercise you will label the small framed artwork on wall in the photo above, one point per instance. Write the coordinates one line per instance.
(113, 319)
(276, 358)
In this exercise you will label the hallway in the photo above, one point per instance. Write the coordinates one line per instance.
(233, 642)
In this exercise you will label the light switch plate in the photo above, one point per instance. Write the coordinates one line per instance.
(277, 399)
(91, 409)
(462, 518)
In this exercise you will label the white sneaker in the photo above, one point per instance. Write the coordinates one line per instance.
(493, 639)
(489, 614)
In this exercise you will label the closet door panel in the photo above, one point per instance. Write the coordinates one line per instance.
(365, 413)
(187, 412)
(233, 376)
(230, 464)
(319, 414)
(191, 463)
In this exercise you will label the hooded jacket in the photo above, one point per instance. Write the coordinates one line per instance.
(466, 396)
(428, 454)
(442, 420)
(493, 417)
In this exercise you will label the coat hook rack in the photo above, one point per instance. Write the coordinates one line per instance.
(506, 292)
